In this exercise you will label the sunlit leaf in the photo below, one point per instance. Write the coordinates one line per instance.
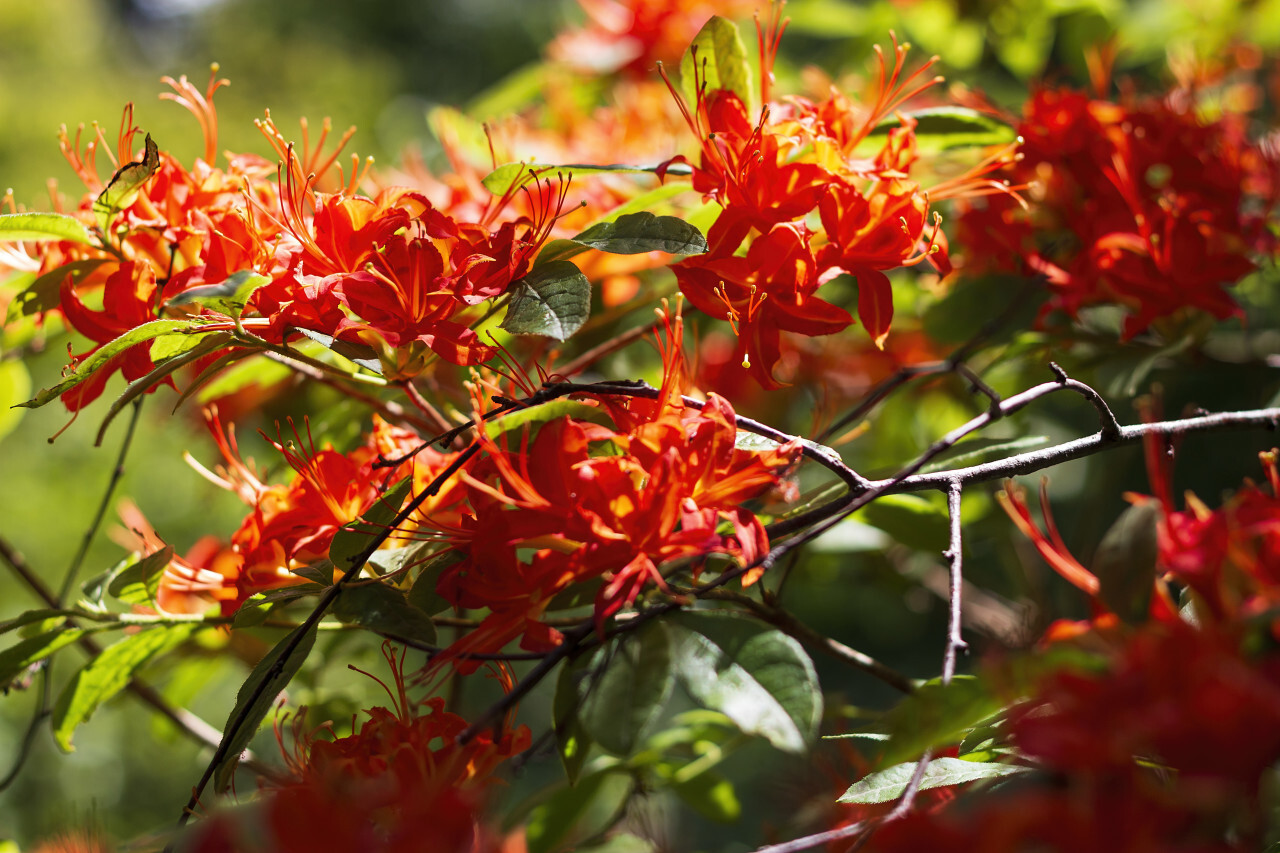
(86, 368)
(711, 795)
(889, 784)
(586, 808)
(361, 354)
(757, 676)
(720, 60)
(942, 128)
(15, 386)
(15, 659)
(124, 185)
(45, 293)
(910, 519)
(552, 300)
(42, 226)
(138, 583)
(934, 715)
(227, 297)
(108, 674)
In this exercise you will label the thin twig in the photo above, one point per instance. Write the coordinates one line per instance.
(116, 473)
(954, 555)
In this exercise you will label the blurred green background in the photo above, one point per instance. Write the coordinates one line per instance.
(381, 66)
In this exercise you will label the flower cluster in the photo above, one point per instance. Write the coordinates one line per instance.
(583, 502)
(402, 782)
(394, 272)
(808, 191)
(1143, 203)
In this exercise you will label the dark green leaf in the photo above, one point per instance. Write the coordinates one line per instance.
(86, 368)
(757, 676)
(258, 693)
(589, 806)
(631, 683)
(137, 583)
(552, 300)
(572, 740)
(108, 674)
(361, 354)
(257, 607)
(357, 537)
(42, 226)
(227, 297)
(711, 796)
(422, 594)
(933, 716)
(967, 308)
(910, 519)
(124, 185)
(15, 659)
(719, 58)
(1125, 562)
(383, 609)
(889, 784)
(641, 232)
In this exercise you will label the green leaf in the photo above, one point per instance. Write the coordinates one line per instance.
(552, 300)
(910, 519)
(86, 368)
(559, 250)
(227, 297)
(258, 693)
(978, 450)
(15, 386)
(354, 538)
(30, 618)
(589, 806)
(943, 128)
(888, 784)
(422, 594)
(711, 796)
(42, 226)
(572, 740)
(622, 843)
(257, 607)
(45, 293)
(512, 176)
(1125, 562)
(636, 233)
(383, 609)
(166, 347)
(535, 416)
(137, 583)
(108, 674)
(967, 308)
(124, 185)
(934, 715)
(757, 676)
(258, 371)
(361, 354)
(17, 658)
(631, 684)
(720, 60)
